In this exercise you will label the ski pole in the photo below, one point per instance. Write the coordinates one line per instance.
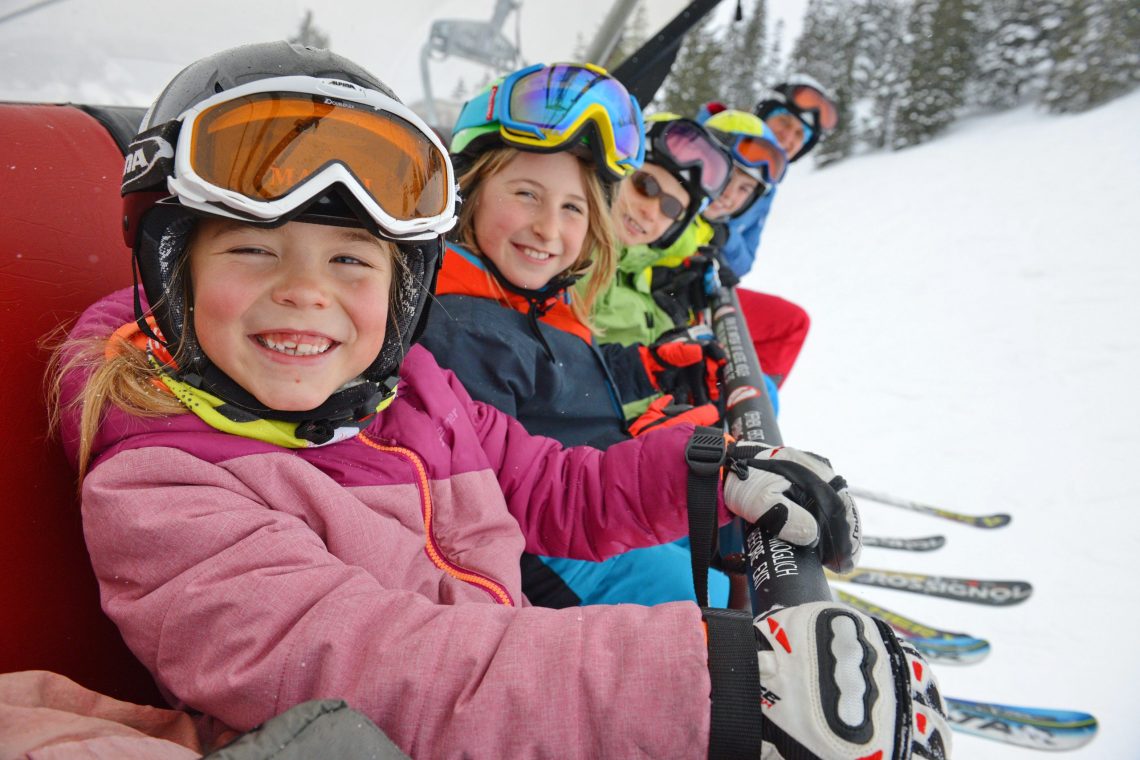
(779, 574)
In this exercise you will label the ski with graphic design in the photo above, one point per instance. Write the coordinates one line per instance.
(924, 544)
(964, 650)
(977, 591)
(996, 520)
(1033, 727)
(944, 647)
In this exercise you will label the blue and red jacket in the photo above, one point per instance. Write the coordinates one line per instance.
(481, 332)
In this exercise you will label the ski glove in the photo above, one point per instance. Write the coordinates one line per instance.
(721, 274)
(796, 496)
(689, 369)
(839, 684)
(663, 412)
(682, 291)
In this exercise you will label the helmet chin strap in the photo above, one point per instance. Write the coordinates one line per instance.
(167, 233)
(541, 300)
(355, 401)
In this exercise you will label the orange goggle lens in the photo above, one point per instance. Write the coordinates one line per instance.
(753, 152)
(266, 145)
(810, 99)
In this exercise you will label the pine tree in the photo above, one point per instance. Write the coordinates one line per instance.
(940, 44)
(579, 52)
(459, 94)
(876, 73)
(826, 51)
(776, 54)
(745, 61)
(1096, 56)
(697, 75)
(1015, 56)
(310, 34)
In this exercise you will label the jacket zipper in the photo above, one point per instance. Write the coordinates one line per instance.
(496, 591)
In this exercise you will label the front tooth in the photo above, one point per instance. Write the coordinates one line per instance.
(311, 349)
(293, 348)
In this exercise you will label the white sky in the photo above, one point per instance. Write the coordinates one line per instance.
(124, 51)
(975, 344)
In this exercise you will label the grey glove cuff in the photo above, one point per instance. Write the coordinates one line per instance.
(737, 719)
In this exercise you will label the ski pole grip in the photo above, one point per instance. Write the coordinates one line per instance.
(779, 574)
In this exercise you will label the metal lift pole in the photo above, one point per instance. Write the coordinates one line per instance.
(608, 34)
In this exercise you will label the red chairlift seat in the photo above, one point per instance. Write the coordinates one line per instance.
(61, 248)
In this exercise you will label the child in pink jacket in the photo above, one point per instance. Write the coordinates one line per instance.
(284, 499)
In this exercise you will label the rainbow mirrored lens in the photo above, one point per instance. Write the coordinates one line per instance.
(808, 98)
(554, 97)
(689, 146)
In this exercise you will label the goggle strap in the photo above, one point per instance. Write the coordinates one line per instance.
(150, 158)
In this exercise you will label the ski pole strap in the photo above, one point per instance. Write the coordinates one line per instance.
(705, 454)
(737, 719)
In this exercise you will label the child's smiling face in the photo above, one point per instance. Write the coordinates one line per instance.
(532, 216)
(637, 217)
(739, 191)
(789, 131)
(290, 313)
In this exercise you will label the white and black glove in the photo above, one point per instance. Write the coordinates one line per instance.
(836, 683)
(795, 496)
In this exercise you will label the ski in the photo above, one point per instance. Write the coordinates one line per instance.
(944, 647)
(964, 650)
(924, 544)
(996, 520)
(989, 592)
(1032, 727)
(901, 623)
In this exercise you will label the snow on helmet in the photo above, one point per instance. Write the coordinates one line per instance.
(807, 100)
(550, 108)
(184, 164)
(695, 158)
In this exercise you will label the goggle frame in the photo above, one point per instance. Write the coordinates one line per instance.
(494, 106)
(193, 191)
(660, 145)
(764, 164)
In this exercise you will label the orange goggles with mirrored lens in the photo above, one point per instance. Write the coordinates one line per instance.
(264, 151)
(756, 152)
(806, 98)
(266, 146)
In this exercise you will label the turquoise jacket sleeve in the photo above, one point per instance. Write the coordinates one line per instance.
(744, 235)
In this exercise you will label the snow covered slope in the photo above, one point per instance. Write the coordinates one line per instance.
(976, 344)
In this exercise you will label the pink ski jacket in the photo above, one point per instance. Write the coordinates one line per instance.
(384, 570)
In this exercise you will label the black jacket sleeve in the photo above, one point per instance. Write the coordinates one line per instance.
(628, 371)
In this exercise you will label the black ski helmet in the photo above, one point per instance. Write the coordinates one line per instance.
(781, 98)
(157, 227)
(689, 175)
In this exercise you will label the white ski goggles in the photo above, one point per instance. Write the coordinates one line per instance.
(263, 151)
